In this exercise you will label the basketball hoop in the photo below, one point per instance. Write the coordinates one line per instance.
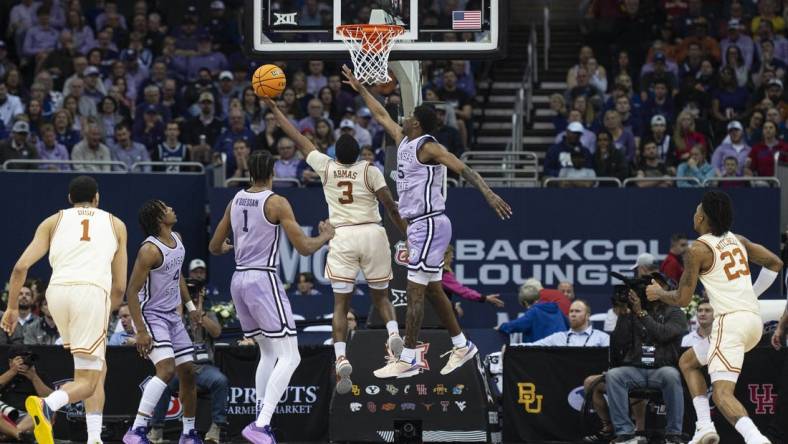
(370, 46)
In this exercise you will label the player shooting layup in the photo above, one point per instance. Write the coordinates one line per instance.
(353, 189)
(87, 252)
(421, 167)
(720, 259)
(254, 217)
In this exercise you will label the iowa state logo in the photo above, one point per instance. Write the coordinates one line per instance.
(401, 253)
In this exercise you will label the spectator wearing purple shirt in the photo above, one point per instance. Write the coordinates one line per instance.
(50, 149)
(287, 165)
(237, 131)
(188, 64)
(40, 39)
(315, 113)
(316, 79)
(187, 35)
(737, 148)
(110, 10)
(623, 139)
(737, 38)
(127, 151)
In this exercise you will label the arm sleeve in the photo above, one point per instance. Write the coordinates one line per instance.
(451, 284)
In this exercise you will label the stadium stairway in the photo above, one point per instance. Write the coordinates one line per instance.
(496, 94)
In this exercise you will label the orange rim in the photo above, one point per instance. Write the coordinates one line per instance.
(374, 38)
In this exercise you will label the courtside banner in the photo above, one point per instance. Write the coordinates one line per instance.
(302, 413)
(577, 235)
(543, 391)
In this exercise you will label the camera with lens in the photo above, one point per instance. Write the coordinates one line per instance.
(195, 287)
(638, 285)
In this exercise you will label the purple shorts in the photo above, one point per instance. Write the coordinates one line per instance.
(167, 331)
(261, 304)
(428, 240)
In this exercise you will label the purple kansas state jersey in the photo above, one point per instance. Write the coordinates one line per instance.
(420, 186)
(256, 240)
(260, 300)
(162, 291)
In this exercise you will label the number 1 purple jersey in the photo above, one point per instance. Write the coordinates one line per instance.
(420, 186)
(256, 240)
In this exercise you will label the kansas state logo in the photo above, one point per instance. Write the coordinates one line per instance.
(355, 406)
(401, 253)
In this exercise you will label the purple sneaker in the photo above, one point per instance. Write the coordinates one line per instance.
(190, 438)
(136, 436)
(258, 435)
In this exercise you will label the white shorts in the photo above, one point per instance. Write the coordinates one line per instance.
(701, 349)
(81, 314)
(732, 335)
(357, 248)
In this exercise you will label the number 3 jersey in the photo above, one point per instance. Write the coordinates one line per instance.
(162, 290)
(728, 282)
(349, 189)
(82, 247)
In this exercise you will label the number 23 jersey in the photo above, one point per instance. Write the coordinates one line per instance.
(728, 282)
(82, 248)
(349, 189)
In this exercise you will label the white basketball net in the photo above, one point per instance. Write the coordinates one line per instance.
(370, 46)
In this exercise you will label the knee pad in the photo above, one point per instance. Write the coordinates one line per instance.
(342, 287)
(378, 285)
(87, 362)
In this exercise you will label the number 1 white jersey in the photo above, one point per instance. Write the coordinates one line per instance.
(82, 248)
(728, 282)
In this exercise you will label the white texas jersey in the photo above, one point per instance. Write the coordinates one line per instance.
(82, 248)
(728, 282)
(349, 189)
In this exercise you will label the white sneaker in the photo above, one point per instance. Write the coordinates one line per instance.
(344, 369)
(395, 344)
(396, 368)
(459, 356)
(705, 434)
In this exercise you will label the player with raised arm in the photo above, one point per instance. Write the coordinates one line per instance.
(720, 259)
(87, 252)
(352, 189)
(254, 218)
(156, 290)
(421, 168)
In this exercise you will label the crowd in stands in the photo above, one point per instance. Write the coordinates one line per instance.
(668, 88)
(115, 81)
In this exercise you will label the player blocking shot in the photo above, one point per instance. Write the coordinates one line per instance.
(155, 293)
(254, 217)
(87, 252)
(352, 190)
(720, 259)
(421, 168)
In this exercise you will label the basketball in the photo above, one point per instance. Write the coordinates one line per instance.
(269, 81)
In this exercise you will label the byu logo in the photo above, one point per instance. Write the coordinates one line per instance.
(461, 405)
(372, 390)
(526, 395)
(355, 406)
(285, 19)
(400, 298)
(764, 402)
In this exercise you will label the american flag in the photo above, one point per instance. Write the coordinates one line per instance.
(466, 20)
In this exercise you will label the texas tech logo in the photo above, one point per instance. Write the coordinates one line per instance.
(401, 253)
(527, 396)
(764, 398)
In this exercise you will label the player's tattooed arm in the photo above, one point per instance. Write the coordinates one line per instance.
(414, 317)
(378, 111)
(385, 198)
(435, 152)
(697, 256)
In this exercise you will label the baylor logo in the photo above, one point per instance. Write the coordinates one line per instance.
(526, 395)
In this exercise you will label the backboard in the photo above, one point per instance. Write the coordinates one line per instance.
(437, 29)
